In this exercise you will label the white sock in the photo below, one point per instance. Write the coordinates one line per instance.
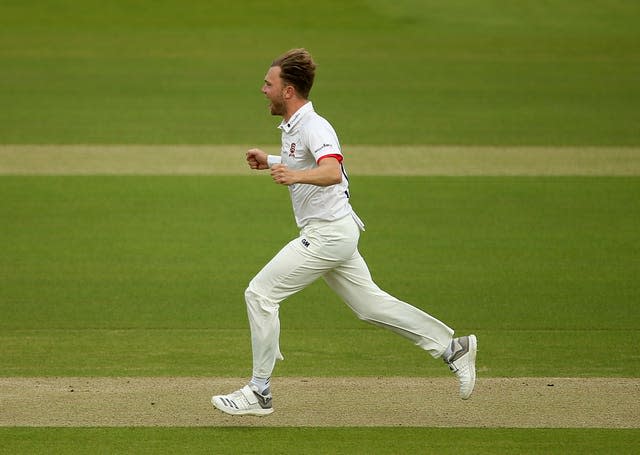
(451, 350)
(262, 384)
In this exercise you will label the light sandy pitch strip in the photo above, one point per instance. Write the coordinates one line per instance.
(360, 160)
(335, 402)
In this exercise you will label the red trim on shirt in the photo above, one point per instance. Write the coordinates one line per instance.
(333, 155)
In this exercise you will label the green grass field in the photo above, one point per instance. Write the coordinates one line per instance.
(119, 262)
(144, 275)
(409, 71)
(319, 441)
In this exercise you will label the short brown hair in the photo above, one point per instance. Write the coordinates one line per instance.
(297, 68)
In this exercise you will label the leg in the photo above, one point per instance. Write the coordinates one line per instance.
(353, 283)
(319, 249)
(287, 273)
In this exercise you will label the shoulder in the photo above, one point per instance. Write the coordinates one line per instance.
(314, 123)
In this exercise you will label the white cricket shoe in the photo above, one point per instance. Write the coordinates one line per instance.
(246, 401)
(463, 363)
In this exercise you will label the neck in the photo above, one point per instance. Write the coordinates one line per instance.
(293, 106)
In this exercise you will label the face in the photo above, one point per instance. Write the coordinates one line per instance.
(275, 91)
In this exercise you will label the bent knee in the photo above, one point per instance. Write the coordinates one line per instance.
(257, 299)
(250, 295)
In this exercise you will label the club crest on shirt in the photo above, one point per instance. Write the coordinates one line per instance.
(292, 149)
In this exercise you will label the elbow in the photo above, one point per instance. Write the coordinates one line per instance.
(336, 178)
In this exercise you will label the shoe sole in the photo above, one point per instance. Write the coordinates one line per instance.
(473, 350)
(242, 412)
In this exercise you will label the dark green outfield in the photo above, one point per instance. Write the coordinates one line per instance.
(111, 276)
(144, 276)
(328, 441)
(556, 72)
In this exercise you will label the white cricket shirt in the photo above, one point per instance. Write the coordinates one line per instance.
(307, 138)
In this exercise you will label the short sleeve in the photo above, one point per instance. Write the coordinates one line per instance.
(323, 141)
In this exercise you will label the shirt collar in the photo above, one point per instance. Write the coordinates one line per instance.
(295, 118)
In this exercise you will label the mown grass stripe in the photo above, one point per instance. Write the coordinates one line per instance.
(360, 160)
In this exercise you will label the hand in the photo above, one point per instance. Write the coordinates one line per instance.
(281, 174)
(257, 159)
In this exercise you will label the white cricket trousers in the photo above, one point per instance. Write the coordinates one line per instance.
(329, 249)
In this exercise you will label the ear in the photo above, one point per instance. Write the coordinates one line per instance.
(289, 91)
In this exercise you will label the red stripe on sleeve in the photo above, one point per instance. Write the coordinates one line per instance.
(333, 155)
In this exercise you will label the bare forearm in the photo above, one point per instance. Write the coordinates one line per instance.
(327, 173)
(320, 176)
